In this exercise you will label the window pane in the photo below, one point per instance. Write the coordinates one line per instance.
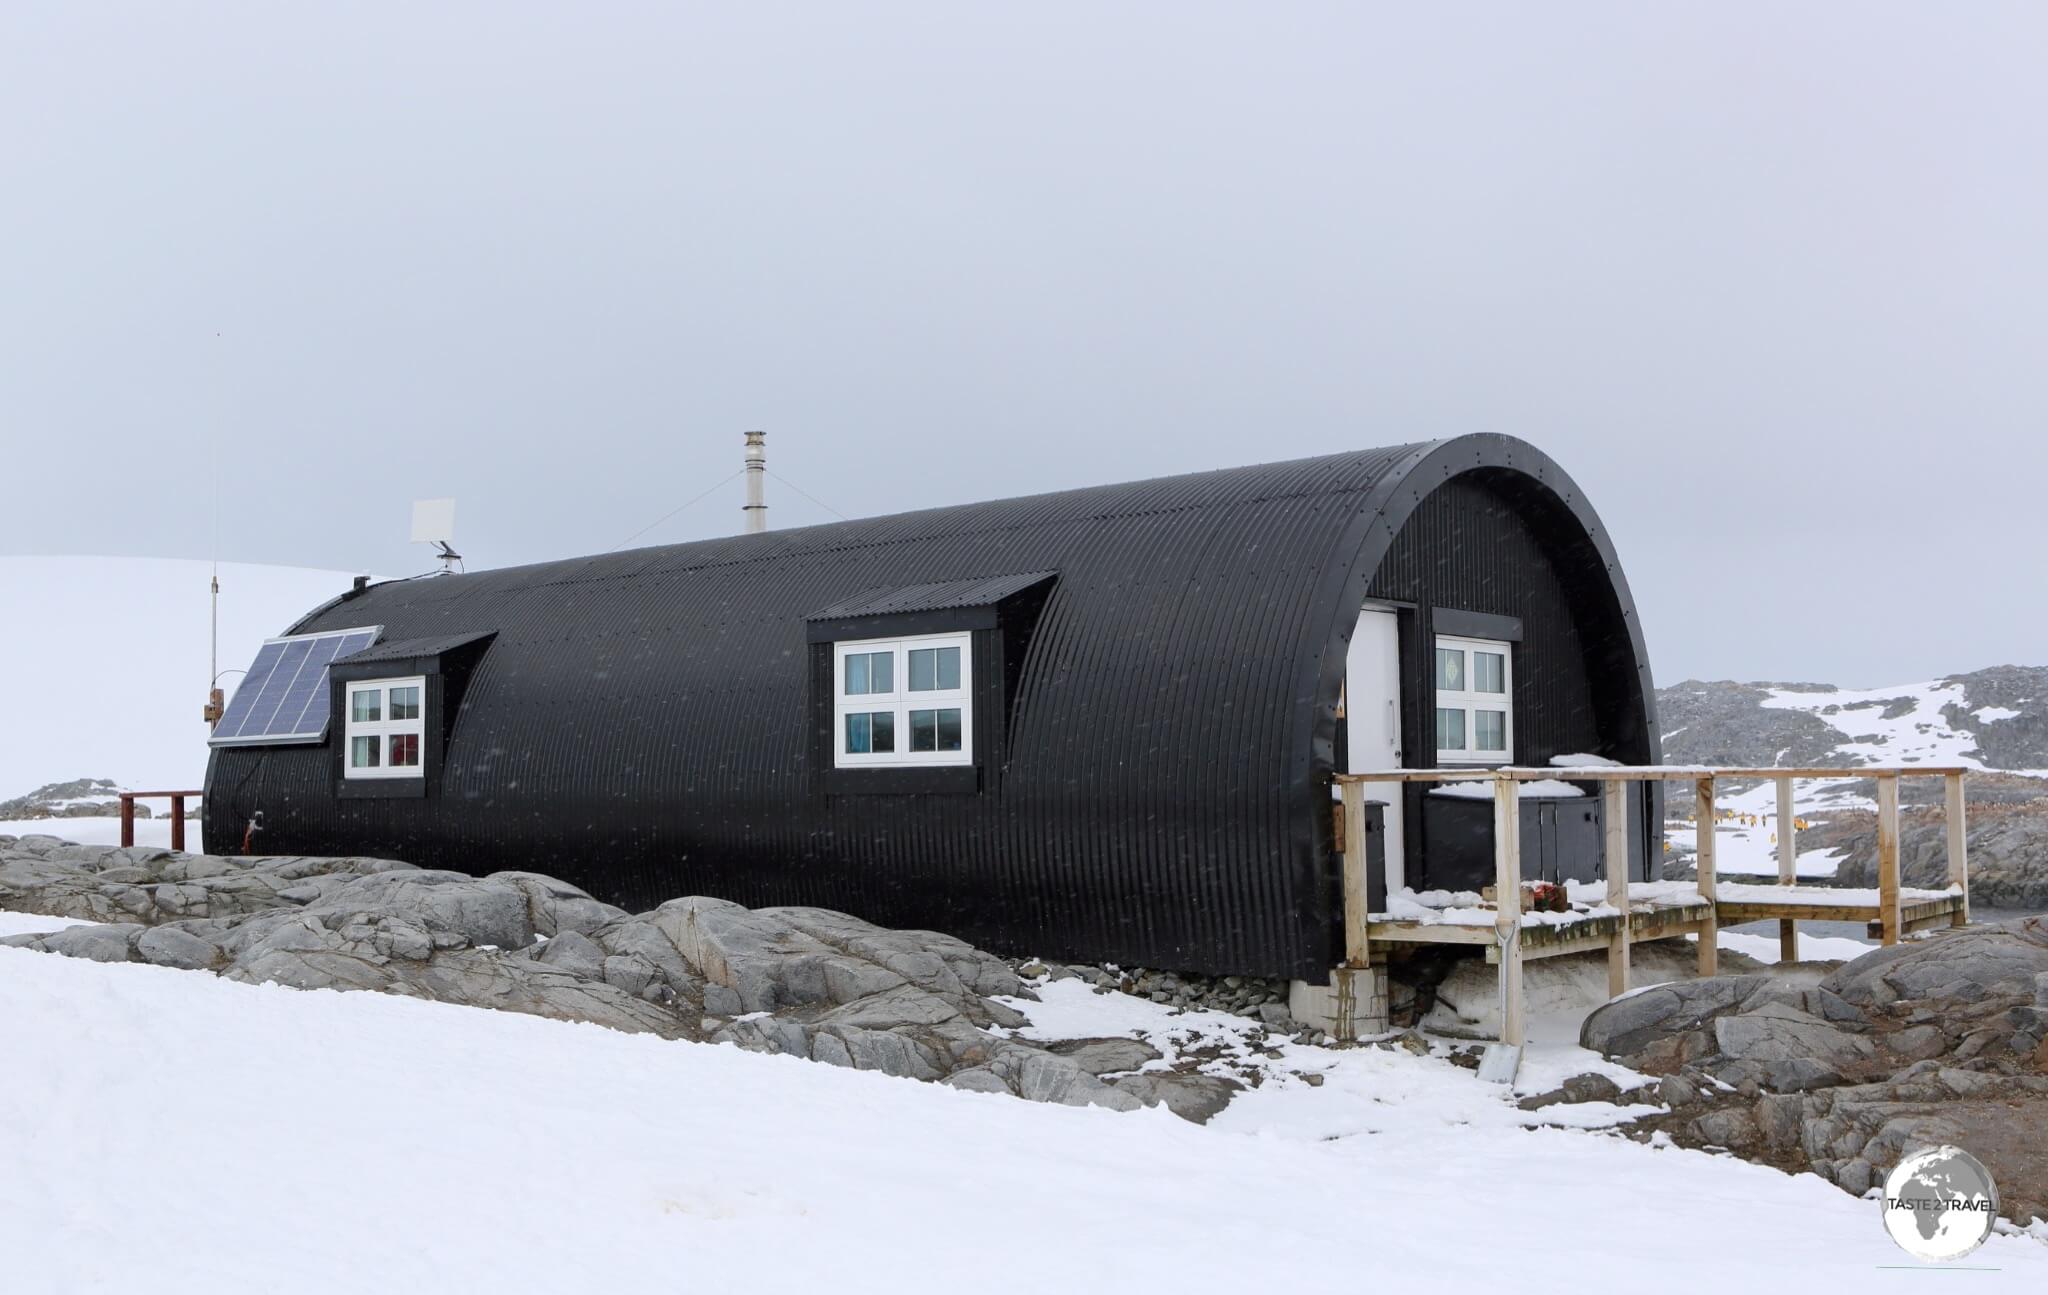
(362, 752)
(1490, 730)
(1450, 729)
(924, 730)
(1489, 672)
(949, 723)
(859, 734)
(1450, 669)
(405, 704)
(405, 751)
(949, 667)
(856, 674)
(885, 730)
(881, 672)
(924, 669)
(366, 706)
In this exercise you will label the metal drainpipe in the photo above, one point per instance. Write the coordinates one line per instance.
(757, 471)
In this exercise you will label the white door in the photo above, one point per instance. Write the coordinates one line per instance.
(1372, 711)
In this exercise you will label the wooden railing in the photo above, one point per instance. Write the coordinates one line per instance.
(1507, 839)
(177, 799)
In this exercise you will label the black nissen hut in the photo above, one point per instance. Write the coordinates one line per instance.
(1099, 724)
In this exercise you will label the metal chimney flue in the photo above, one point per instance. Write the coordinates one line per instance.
(756, 507)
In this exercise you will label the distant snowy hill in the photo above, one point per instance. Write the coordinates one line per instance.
(1989, 719)
(106, 661)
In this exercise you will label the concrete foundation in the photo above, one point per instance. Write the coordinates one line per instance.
(1353, 1005)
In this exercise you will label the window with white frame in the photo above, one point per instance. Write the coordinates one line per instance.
(902, 701)
(1475, 710)
(385, 728)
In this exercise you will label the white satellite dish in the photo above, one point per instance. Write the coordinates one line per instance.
(433, 522)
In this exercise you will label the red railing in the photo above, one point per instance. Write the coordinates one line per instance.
(177, 799)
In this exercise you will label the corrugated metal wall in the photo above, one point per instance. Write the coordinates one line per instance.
(641, 725)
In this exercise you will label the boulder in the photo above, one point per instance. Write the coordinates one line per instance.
(169, 946)
(1986, 960)
(1194, 1097)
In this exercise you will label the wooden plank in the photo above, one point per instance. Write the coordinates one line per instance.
(1507, 880)
(1788, 869)
(1357, 940)
(1703, 804)
(178, 823)
(1614, 817)
(1958, 844)
(127, 819)
(1431, 933)
(1888, 856)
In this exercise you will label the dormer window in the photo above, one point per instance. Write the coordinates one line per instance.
(903, 701)
(385, 728)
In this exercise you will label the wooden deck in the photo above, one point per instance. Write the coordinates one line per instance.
(1633, 912)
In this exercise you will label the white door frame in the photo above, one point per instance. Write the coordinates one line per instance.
(1372, 718)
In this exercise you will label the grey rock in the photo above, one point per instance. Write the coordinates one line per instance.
(1800, 1074)
(1778, 1119)
(977, 1079)
(1675, 1091)
(1275, 1016)
(629, 973)
(1041, 1077)
(1776, 1034)
(1194, 1097)
(1918, 1042)
(1853, 1176)
(113, 943)
(575, 953)
(168, 946)
(1628, 1025)
(1106, 1056)
(1733, 1127)
(2002, 959)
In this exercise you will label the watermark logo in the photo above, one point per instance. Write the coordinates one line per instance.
(1939, 1203)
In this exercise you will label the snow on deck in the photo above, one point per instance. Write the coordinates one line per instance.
(322, 1141)
(1819, 896)
(1588, 899)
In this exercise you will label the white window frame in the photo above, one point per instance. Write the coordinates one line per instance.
(901, 700)
(1471, 701)
(384, 728)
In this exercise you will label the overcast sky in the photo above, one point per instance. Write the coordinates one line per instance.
(1770, 280)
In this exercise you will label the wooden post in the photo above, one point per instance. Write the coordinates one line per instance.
(1614, 819)
(1888, 855)
(1788, 870)
(178, 823)
(1507, 921)
(127, 820)
(1958, 846)
(1703, 800)
(1357, 951)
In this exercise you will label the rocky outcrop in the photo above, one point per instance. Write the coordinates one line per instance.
(2008, 852)
(78, 798)
(804, 982)
(1932, 1041)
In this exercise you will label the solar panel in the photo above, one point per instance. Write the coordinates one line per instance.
(284, 695)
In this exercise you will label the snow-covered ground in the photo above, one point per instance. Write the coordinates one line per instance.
(32, 923)
(1921, 735)
(170, 1130)
(108, 657)
(103, 831)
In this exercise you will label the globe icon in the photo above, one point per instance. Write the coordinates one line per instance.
(1939, 1203)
